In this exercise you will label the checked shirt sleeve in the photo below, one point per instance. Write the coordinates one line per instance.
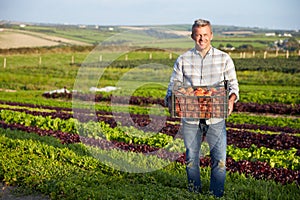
(177, 75)
(230, 75)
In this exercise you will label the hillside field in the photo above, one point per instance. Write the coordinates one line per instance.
(61, 140)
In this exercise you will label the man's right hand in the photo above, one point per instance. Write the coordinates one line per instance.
(168, 103)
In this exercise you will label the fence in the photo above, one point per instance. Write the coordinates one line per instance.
(149, 55)
(263, 54)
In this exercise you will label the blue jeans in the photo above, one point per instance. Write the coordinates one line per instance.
(216, 138)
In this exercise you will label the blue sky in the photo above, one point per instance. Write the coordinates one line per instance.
(273, 14)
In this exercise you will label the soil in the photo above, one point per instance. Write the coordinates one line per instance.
(11, 38)
(9, 193)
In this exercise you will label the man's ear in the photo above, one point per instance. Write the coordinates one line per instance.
(192, 36)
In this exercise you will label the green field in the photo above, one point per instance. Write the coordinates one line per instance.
(32, 159)
(158, 36)
(50, 71)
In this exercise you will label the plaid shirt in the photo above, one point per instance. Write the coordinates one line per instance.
(191, 69)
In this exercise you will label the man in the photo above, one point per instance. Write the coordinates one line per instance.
(205, 65)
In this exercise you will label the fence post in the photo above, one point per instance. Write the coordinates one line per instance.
(170, 56)
(253, 54)
(126, 57)
(287, 54)
(244, 54)
(150, 56)
(40, 61)
(100, 58)
(265, 54)
(276, 52)
(72, 60)
(4, 63)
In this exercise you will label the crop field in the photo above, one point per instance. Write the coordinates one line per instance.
(123, 144)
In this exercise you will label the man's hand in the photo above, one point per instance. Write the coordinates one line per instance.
(168, 103)
(230, 106)
(231, 101)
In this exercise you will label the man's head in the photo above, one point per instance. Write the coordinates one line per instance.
(201, 23)
(202, 34)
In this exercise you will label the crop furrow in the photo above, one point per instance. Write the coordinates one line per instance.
(245, 139)
(256, 169)
(65, 138)
(85, 115)
(272, 108)
(240, 138)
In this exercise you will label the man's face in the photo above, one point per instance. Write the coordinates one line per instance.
(202, 37)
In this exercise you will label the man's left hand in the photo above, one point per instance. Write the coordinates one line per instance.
(230, 106)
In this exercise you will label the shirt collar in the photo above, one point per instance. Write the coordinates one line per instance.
(210, 51)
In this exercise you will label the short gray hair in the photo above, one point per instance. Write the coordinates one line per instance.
(201, 23)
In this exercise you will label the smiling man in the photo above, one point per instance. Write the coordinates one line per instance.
(205, 65)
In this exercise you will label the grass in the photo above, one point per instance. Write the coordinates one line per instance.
(25, 74)
(91, 36)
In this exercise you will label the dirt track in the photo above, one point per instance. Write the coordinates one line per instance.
(7, 193)
(10, 38)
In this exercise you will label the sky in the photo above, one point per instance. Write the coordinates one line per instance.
(272, 14)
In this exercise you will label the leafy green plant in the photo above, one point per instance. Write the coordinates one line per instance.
(276, 158)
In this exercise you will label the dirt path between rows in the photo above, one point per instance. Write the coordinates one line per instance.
(8, 193)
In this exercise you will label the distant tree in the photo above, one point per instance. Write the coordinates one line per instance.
(229, 45)
(292, 44)
(245, 47)
(221, 46)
